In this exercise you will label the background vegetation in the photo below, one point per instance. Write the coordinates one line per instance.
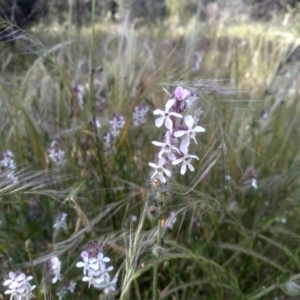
(231, 239)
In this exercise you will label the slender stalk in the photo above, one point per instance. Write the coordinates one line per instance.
(28, 248)
(156, 262)
(271, 288)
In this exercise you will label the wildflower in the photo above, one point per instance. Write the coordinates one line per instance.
(139, 115)
(54, 268)
(56, 155)
(98, 124)
(188, 133)
(110, 288)
(60, 221)
(134, 218)
(197, 59)
(160, 170)
(166, 147)
(86, 263)
(107, 140)
(79, 91)
(61, 294)
(8, 166)
(181, 93)
(166, 115)
(185, 161)
(100, 262)
(19, 286)
(71, 287)
(254, 183)
(117, 123)
(171, 220)
(95, 270)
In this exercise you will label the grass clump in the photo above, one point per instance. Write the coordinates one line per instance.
(76, 190)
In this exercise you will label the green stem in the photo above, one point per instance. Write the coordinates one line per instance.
(28, 250)
(271, 288)
(156, 262)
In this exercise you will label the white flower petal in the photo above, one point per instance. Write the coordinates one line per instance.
(189, 121)
(159, 121)
(169, 123)
(179, 133)
(183, 169)
(158, 112)
(199, 129)
(169, 104)
(167, 172)
(191, 167)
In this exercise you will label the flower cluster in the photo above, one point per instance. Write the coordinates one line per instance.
(177, 139)
(95, 269)
(56, 155)
(53, 269)
(69, 288)
(18, 286)
(8, 166)
(139, 115)
(117, 123)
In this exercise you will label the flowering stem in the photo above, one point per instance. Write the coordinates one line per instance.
(156, 262)
(28, 250)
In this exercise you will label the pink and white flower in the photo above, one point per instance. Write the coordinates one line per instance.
(166, 115)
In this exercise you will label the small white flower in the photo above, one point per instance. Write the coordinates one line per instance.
(55, 264)
(61, 294)
(186, 161)
(134, 218)
(139, 115)
(56, 155)
(165, 115)
(71, 286)
(166, 147)
(110, 288)
(254, 183)
(189, 133)
(99, 262)
(85, 264)
(171, 220)
(117, 123)
(61, 221)
(160, 170)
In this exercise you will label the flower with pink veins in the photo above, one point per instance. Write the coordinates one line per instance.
(166, 147)
(181, 93)
(166, 115)
(188, 133)
(185, 161)
(160, 170)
